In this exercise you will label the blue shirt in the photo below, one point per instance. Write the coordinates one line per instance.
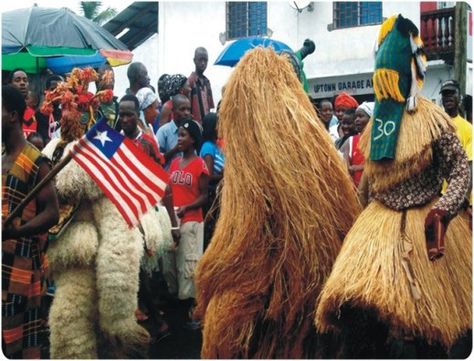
(167, 136)
(210, 148)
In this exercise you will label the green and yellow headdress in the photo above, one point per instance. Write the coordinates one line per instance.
(400, 67)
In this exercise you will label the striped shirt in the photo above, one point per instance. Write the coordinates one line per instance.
(24, 264)
(201, 96)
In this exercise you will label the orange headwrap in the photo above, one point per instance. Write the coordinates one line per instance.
(345, 100)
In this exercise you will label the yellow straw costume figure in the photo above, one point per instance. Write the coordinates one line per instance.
(404, 269)
(287, 203)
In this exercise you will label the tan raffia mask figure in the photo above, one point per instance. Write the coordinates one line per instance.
(287, 203)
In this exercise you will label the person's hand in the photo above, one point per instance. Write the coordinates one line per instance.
(9, 232)
(181, 211)
(149, 252)
(176, 236)
(436, 223)
(308, 43)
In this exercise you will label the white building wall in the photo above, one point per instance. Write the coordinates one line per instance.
(344, 51)
(436, 74)
(147, 53)
(342, 55)
(186, 25)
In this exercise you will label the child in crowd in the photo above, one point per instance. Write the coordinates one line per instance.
(189, 178)
(30, 125)
(350, 149)
(347, 127)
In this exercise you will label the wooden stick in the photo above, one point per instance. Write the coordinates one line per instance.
(56, 169)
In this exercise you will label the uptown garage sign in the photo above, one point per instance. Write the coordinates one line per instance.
(358, 84)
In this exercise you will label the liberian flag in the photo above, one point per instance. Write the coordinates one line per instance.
(129, 178)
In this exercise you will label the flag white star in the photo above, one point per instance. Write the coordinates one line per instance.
(102, 136)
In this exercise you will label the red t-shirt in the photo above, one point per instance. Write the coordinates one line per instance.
(29, 122)
(185, 186)
(356, 158)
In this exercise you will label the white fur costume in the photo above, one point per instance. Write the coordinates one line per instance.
(95, 264)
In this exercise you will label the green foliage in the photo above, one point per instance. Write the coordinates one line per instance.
(92, 10)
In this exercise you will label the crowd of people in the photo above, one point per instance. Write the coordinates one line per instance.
(178, 130)
(176, 125)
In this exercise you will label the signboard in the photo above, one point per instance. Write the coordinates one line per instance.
(355, 84)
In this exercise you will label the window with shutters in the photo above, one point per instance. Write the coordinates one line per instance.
(246, 19)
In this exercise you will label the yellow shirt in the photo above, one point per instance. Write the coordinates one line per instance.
(464, 133)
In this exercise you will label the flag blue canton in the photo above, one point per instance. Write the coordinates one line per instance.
(106, 139)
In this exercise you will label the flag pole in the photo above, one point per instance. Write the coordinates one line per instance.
(52, 173)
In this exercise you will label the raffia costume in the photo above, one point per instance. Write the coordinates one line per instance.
(287, 203)
(94, 261)
(383, 269)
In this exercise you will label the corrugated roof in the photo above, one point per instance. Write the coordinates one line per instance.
(142, 20)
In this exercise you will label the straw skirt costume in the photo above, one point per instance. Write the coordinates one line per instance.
(383, 265)
(406, 262)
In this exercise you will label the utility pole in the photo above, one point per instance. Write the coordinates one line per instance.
(460, 39)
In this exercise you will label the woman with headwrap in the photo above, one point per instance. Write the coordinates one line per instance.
(404, 272)
(342, 103)
(350, 149)
(148, 102)
(169, 86)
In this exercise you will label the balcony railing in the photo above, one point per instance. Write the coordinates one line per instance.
(437, 33)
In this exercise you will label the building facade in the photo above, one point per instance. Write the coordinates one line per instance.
(344, 34)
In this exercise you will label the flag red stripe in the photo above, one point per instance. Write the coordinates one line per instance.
(131, 222)
(128, 176)
(136, 179)
(149, 193)
(111, 192)
(146, 161)
(132, 166)
(129, 189)
(152, 170)
(105, 173)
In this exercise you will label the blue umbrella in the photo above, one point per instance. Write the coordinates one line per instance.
(234, 51)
